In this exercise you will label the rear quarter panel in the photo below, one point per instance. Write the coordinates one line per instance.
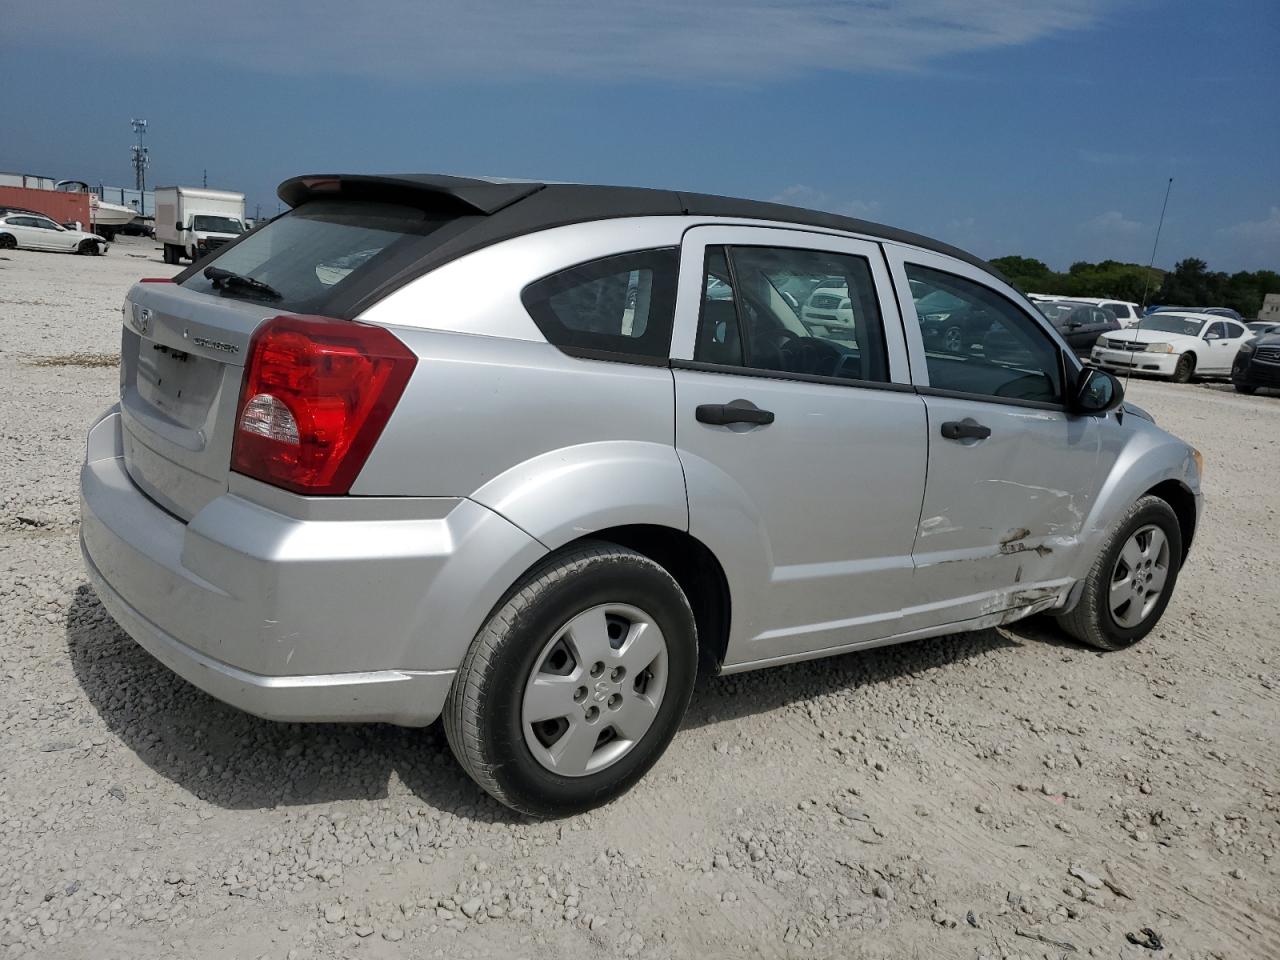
(560, 446)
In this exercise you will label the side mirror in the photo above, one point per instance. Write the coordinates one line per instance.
(1212, 336)
(1096, 391)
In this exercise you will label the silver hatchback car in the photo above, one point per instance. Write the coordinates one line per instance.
(524, 455)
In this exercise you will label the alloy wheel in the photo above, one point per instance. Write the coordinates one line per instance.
(1139, 576)
(594, 690)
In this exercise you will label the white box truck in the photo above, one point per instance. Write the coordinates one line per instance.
(191, 221)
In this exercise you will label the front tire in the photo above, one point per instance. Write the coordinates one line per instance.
(577, 682)
(1246, 388)
(1129, 585)
(89, 248)
(1186, 367)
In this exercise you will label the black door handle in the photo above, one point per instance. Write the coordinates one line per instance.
(966, 429)
(735, 411)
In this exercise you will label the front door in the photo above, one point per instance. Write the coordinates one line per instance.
(802, 442)
(1224, 340)
(1012, 474)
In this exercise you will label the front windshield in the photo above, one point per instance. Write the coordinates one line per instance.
(1170, 323)
(217, 224)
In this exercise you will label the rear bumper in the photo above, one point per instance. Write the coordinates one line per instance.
(405, 697)
(362, 616)
(1155, 364)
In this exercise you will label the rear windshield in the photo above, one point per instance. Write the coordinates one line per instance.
(315, 251)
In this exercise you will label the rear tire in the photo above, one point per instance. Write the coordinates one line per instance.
(7, 242)
(1116, 607)
(1246, 388)
(170, 253)
(1186, 367)
(622, 709)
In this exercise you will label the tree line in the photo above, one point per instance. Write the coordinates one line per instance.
(1189, 284)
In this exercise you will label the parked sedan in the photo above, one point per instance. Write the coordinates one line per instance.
(1257, 364)
(1174, 345)
(339, 487)
(33, 231)
(1080, 323)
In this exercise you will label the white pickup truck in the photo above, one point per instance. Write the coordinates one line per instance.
(192, 221)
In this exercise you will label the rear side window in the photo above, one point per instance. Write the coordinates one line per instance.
(317, 251)
(619, 307)
(791, 311)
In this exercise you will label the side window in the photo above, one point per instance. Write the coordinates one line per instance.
(621, 305)
(1235, 331)
(978, 342)
(1217, 330)
(790, 311)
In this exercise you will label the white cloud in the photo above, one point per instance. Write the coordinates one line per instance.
(1112, 223)
(1266, 231)
(799, 195)
(671, 40)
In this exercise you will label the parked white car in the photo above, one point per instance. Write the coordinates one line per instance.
(828, 311)
(1175, 345)
(31, 231)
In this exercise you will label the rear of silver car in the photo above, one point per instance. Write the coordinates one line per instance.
(289, 605)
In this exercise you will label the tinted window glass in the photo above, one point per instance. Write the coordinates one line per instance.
(803, 312)
(718, 339)
(986, 345)
(1121, 310)
(622, 305)
(1234, 330)
(1217, 330)
(314, 250)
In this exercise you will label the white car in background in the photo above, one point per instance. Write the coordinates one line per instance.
(828, 311)
(1174, 345)
(32, 231)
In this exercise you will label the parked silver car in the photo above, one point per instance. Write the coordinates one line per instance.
(523, 455)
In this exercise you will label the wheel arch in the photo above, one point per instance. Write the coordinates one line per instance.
(1179, 497)
(695, 568)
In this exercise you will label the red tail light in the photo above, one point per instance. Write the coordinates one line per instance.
(317, 393)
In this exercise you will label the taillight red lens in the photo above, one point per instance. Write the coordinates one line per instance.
(317, 393)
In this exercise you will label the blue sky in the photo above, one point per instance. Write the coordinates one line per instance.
(1047, 129)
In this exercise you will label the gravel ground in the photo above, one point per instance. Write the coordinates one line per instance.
(998, 794)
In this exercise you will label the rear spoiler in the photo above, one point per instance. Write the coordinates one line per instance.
(462, 196)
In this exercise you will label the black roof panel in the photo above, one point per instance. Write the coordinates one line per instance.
(490, 211)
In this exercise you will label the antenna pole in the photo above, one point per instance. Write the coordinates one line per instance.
(1146, 283)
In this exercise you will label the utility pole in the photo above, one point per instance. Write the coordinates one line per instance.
(140, 159)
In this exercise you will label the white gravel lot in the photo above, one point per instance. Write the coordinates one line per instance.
(999, 794)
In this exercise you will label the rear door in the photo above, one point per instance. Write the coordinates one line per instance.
(1012, 474)
(802, 441)
(29, 234)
